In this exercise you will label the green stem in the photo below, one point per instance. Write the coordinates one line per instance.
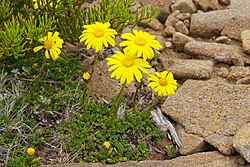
(39, 76)
(95, 62)
(153, 103)
(86, 93)
(117, 101)
(138, 85)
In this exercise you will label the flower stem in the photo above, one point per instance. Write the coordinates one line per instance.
(86, 93)
(39, 75)
(153, 103)
(95, 62)
(138, 85)
(117, 101)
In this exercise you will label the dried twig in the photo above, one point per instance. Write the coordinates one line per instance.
(166, 125)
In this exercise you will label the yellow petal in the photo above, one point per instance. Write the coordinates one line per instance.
(47, 54)
(36, 49)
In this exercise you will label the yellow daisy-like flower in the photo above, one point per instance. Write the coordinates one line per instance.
(35, 5)
(86, 76)
(140, 43)
(98, 34)
(127, 66)
(51, 44)
(30, 151)
(163, 83)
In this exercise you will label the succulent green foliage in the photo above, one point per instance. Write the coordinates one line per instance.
(11, 38)
(5, 11)
(117, 12)
(36, 27)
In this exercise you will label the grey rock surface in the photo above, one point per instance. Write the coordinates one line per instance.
(237, 73)
(229, 22)
(245, 80)
(180, 27)
(190, 143)
(172, 20)
(162, 6)
(219, 52)
(102, 86)
(207, 5)
(245, 37)
(156, 25)
(241, 141)
(184, 6)
(206, 159)
(206, 108)
(223, 39)
(191, 69)
(223, 143)
(179, 40)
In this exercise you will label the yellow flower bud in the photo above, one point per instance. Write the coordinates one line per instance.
(30, 151)
(86, 76)
(106, 144)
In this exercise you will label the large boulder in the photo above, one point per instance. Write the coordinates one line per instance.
(212, 109)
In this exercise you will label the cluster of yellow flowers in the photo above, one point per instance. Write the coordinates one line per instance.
(126, 65)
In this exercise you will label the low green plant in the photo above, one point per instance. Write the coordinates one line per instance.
(24, 161)
(86, 132)
(171, 151)
(51, 110)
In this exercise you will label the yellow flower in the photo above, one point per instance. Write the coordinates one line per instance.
(163, 83)
(126, 66)
(35, 5)
(86, 76)
(106, 144)
(51, 44)
(30, 151)
(140, 43)
(98, 34)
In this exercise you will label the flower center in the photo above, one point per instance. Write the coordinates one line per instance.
(128, 62)
(163, 82)
(47, 44)
(98, 32)
(140, 41)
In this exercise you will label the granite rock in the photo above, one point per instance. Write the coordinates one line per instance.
(184, 6)
(190, 143)
(229, 22)
(245, 37)
(162, 6)
(223, 40)
(237, 73)
(206, 159)
(241, 141)
(179, 40)
(180, 27)
(191, 69)
(219, 52)
(207, 5)
(223, 143)
(206, 108)
(102, 86)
